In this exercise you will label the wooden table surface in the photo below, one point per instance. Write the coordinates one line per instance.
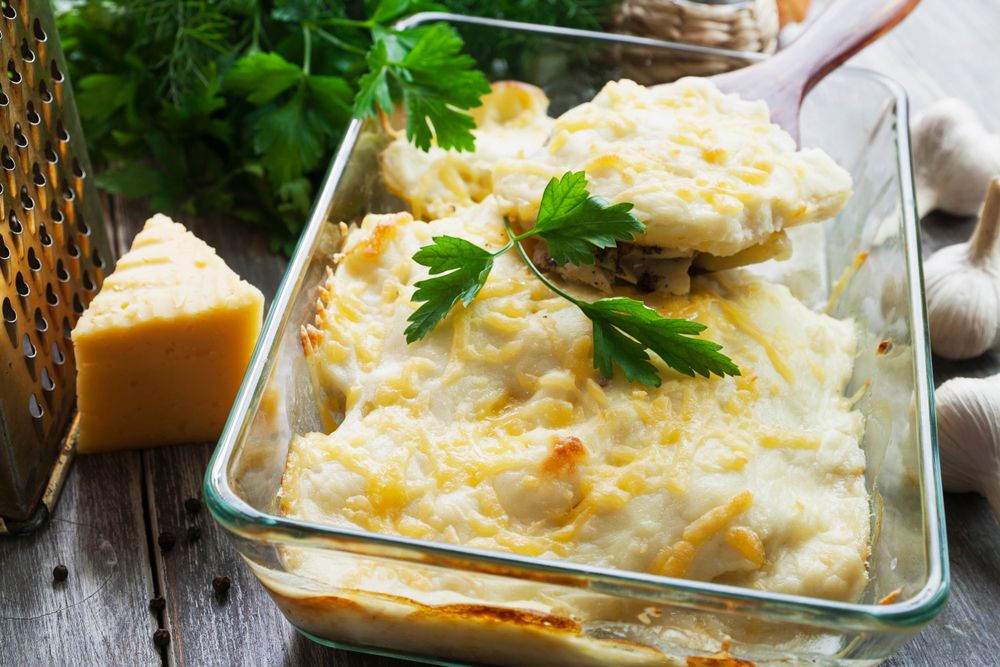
(114, 506)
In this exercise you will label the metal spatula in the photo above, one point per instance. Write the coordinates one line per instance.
(845, 28)
(53, 256)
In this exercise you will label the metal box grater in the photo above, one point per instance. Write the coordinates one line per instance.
(53, 257)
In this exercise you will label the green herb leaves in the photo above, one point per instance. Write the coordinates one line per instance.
(435, 80)
(573, 224)
(620, 322)
(469, 267)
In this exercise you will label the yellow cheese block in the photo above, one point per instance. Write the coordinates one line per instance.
(163, 347)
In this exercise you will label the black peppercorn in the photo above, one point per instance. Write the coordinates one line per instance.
(60, 572)
(157, 604)
(166, 541)
(161, 637)
(220, 585)
(192, 505)
(193, 533)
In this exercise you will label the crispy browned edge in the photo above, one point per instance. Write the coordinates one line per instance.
(542, 626)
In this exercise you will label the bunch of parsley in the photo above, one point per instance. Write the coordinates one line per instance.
(235, 106)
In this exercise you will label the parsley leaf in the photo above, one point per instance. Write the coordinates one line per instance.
(624, 327)
(469, 267)
(436, 80)
(262, 77)
(574, 223)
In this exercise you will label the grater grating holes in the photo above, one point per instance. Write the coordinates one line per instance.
(20, 140)
(27, 203)
(22, 287)
(28, 348)
(35, 408)
(26, 53)
(51, 246)
(12, 74)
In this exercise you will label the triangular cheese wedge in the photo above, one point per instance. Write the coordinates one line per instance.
(162, 349)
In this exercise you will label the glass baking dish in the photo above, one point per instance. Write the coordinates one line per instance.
(867, 267)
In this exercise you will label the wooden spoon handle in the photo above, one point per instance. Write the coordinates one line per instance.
(845, 28)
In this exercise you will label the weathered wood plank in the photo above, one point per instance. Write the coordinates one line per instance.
(247, 628)
(244, 629)
(99, 615)
(939, 50)
(944, 48)
(965, 632)
(947, 49)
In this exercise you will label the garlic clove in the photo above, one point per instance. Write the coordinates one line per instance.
(954, 158)
(963, 307)
(968, 421)
(962, 286)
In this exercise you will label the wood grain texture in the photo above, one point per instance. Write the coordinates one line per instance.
(245, 627)
(944, 48)
(99, 615)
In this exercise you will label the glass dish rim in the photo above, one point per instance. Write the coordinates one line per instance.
(239, 517)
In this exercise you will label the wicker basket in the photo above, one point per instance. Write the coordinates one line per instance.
(745, 25)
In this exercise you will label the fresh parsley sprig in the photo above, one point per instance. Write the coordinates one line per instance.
(573, 224)
(425, 67)
(234, 107)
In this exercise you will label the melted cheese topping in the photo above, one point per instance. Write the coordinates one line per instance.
(510, 123)
(707, 172)
(495, 431)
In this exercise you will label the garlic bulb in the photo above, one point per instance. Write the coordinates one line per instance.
(954, 158)
(962, 284)
(968, 421)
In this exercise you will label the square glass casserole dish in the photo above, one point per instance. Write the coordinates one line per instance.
(440, 602)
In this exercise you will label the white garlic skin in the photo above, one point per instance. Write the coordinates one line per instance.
(968, 422)
(963, 303)
(954, 158)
